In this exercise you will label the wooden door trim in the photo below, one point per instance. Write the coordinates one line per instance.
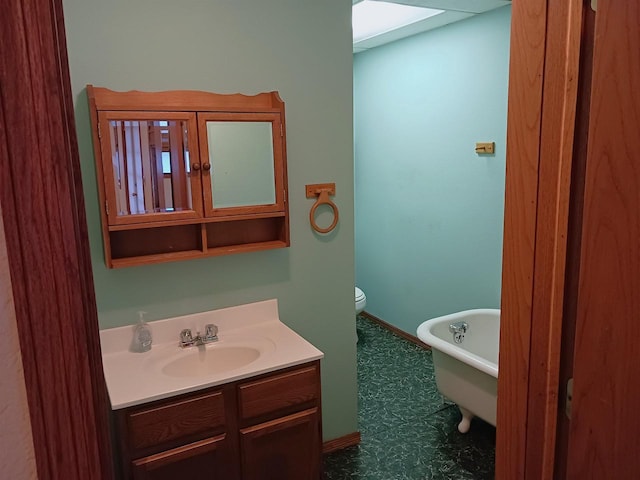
(574, 238)
(526, 68)
(562, 60)
(47, 246)
(545, 46)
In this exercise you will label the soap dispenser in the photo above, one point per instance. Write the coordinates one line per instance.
(142, 335)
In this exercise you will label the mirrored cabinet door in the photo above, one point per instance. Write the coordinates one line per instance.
(242, 163)
(151, 166)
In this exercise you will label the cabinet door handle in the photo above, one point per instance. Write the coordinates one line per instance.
(206, 167)
(195, 167)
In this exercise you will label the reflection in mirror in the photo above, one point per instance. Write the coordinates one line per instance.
(150, 166)
(241, 158)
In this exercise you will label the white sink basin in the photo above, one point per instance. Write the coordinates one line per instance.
(229, 354)
(210, 360)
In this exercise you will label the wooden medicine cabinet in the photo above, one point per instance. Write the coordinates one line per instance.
(189, 174)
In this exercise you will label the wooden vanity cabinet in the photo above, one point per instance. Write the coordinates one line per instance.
(188, 174)
(263, 428)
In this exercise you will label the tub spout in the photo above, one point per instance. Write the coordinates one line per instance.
(458, 329)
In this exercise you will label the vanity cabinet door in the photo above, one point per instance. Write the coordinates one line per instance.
(287, 448)
(207, 459)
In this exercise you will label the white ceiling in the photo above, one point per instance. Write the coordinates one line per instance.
(455, 10)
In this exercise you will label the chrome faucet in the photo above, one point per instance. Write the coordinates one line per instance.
(188, 340)
(458, 329)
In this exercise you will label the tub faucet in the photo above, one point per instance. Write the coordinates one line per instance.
(458, 329)
(188, 340)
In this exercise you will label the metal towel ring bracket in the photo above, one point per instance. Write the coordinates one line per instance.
(322, 191)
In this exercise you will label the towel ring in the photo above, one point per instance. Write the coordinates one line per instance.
(322, 191)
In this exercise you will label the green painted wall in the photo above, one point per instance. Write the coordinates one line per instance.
(429, 211)
(301, 48)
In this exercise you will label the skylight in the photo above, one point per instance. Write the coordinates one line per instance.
(372, 18)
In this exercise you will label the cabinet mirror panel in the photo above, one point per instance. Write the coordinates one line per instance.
(242, 163)
(151, 167)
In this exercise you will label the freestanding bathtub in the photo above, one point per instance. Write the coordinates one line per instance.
(465, 358)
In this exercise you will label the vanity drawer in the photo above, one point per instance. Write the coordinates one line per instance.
(198, 415)
(279, 392)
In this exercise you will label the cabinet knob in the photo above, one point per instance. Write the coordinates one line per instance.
(206, 167)
(195, 167)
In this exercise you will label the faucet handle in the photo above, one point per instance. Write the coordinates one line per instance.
(186, 338)
(211, 331)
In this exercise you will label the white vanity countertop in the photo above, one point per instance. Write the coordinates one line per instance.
(135, 378)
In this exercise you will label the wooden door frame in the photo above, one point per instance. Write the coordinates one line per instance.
(543, 83)
(47, 239)
(48, 247)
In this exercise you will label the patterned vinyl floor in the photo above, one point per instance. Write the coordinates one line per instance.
(409, 432)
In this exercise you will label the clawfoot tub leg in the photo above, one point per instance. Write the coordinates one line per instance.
(465, 423)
